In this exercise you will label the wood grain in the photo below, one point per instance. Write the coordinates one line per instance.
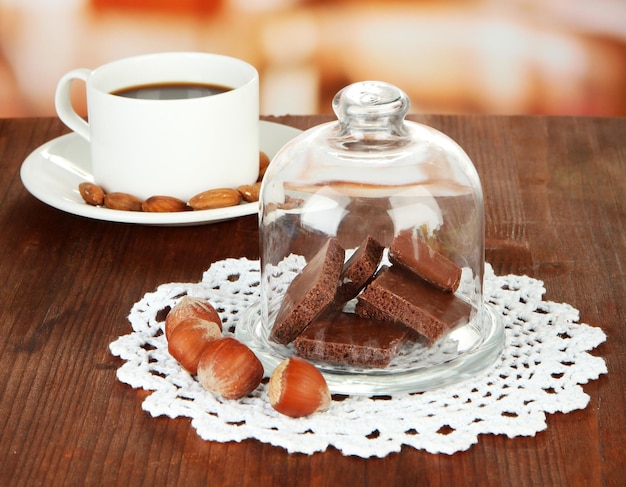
(554, 192)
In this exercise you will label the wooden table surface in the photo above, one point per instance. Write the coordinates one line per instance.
(555, 190)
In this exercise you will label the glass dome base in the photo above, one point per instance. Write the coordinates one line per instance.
(445, 363)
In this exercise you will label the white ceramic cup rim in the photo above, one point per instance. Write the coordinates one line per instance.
(157, 68)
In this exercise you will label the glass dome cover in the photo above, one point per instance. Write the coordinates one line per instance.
(372, 252)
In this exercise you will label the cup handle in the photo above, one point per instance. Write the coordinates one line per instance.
(63, 103)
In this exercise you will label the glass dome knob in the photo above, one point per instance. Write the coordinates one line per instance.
(371, 106)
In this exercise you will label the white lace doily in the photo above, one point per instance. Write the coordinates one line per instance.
(540, 371)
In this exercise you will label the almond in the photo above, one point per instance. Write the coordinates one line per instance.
(122, 201)
(91, 193)
(250, 192)
(215, 198)
(162, 204)
(264, 162)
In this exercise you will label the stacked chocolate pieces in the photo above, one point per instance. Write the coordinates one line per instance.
(413, 295)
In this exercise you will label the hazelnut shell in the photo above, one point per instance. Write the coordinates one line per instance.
(190, 307)
(229, 368)
(189, 339)
(297, 388)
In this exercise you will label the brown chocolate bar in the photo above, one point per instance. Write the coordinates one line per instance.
(414, 254)
(346, 338)
(309, 293)
(399, 296)
(358, 270)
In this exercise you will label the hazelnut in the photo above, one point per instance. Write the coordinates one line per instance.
(229, 368)
(189, 339)
(190, 307)
(297, 388)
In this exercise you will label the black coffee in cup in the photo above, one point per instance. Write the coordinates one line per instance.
(171, 91)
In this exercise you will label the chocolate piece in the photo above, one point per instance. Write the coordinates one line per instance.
(398, 295)
(414, 254)
(309, 293)
(346, 338)
(369, 311)
(358, 270)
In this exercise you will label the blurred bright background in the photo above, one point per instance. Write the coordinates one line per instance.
(473, 56)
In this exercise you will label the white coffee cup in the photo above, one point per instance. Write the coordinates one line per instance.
(172, 147)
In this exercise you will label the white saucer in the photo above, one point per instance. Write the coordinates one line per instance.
(53, 172)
